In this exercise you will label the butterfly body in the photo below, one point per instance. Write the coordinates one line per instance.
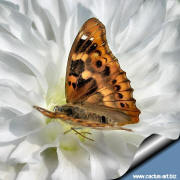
(98, 92)
(90, 116)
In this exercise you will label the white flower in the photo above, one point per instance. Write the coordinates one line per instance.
(35, 39)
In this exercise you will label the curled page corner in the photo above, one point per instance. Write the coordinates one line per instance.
(149, 147)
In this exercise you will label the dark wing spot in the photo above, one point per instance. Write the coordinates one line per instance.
(74, 85)
(98, 64)
(122, 104)
(79, 44)
(91, 91)
(82, 82)
(103, 120)
(92, 88)
(98, 52)
(69, 83)
(117, 87)
(114, 81)
(106, 71)
(92, 48)
(120, 95)
(77, 67)
(86, 45)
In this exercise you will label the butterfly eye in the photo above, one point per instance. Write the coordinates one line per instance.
(57, 109)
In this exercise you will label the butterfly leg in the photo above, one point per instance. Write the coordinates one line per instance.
(125, 129)
(84, 132)
(81, 134)
(69, 130)
(76, 128)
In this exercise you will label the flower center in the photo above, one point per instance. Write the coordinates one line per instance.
(57, 97)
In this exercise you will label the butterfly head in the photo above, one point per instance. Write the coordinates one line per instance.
(58, 109)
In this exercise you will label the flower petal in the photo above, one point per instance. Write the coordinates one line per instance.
(123, 12)
(7, 172)
(144, 24)
(16, 97)
(20, 126)
(41, 169)
(30, 149)
(104, 163)
(5, 151)
(124, 145)
(35, 171)
(30, 48)
(13, 70)
(72, 164)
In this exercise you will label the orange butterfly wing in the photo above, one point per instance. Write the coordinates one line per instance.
(93, 74)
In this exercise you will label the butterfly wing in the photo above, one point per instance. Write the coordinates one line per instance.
(93, 74)
(77, 85)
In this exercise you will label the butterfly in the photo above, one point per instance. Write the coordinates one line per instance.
(98, 93)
